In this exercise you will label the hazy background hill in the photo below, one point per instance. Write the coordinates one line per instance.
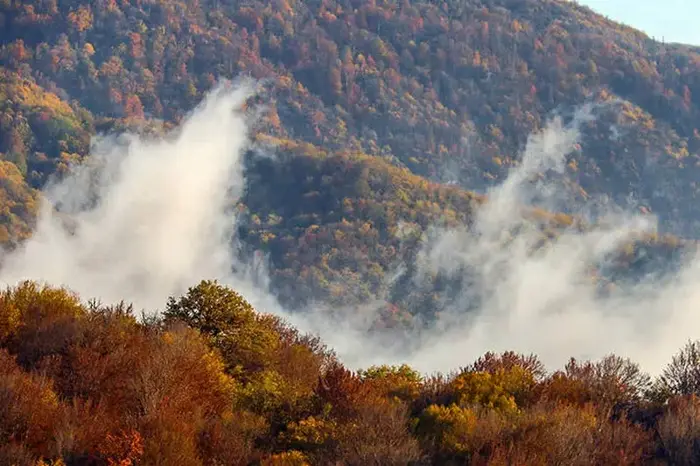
(371, 107)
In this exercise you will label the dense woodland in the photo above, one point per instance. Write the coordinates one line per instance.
(384, 116)
(213, 382)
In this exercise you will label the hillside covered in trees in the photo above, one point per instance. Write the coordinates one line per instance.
(382, 114)
(213, 382)
(380, 122)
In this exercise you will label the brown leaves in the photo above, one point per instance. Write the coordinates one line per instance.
(607, 383)
(342, 390)
(231, 440)
(30, 412)
(96, 386)
(44, 320)
(679, 430)
(378, 435)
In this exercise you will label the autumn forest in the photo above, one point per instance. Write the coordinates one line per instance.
(379, 122)
(212, 381)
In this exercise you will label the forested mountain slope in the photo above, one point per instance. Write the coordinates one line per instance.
(383, 126)
(447, 91)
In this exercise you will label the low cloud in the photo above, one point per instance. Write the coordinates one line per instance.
(145, 219)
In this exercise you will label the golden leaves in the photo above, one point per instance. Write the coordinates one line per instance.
(81, 19)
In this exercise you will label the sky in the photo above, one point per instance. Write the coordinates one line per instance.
(673, 20)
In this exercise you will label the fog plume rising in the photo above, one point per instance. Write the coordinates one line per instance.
(144, 219)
